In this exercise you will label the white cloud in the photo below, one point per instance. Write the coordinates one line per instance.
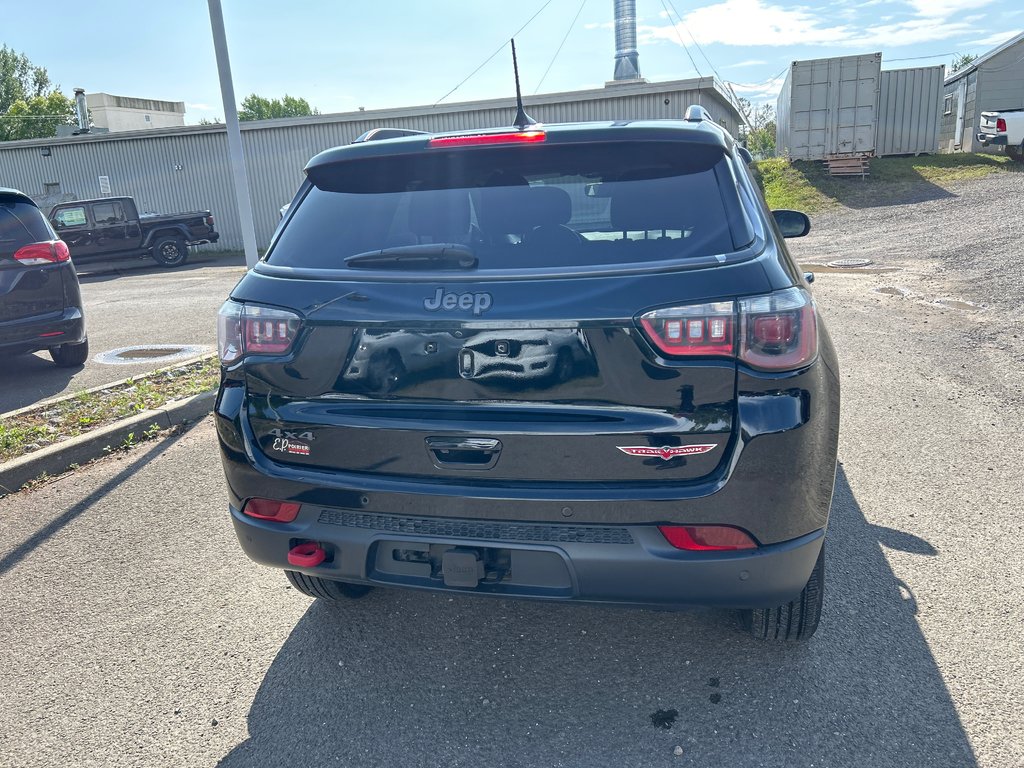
(993, 40)
(759, 92)
(748, 63)
(761, 23)
(202, 107)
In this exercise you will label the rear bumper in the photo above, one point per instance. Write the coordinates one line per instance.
(603, 564)
(34, 333)
(995, 140)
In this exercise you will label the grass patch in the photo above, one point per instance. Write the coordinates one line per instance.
(806, 186)
(77, 415)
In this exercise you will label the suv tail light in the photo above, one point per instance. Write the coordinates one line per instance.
(244, 329)
(1001, 125)
(50, 252)
(775, 332)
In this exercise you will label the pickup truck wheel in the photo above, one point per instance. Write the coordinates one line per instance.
(170, 251)
(70, 355)
(326, 589)
(796, 620)
(1016, 153)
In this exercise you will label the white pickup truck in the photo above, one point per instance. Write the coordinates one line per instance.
(1004, 128)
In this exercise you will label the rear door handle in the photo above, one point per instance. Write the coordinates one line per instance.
(463, 452)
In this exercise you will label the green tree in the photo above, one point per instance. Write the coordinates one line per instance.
(37, 117)
(760, 129)
(962, 60)
(19, 78)
(259, 108)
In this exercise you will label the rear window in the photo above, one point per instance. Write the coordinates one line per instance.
(20, 224)
(570, 205)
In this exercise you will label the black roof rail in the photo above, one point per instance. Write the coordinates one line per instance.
(377, 134)
(695, 113)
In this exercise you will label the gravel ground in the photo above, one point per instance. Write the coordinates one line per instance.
(961, 251)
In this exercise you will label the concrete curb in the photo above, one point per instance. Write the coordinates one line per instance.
(58, 458)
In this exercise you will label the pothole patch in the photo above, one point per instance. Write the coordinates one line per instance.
(966, 306)
(848, 263)
(890, 290)
(151, 353)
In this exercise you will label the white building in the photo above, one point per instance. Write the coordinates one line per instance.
(126, 113)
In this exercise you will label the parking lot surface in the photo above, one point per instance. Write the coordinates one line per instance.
(137, 634)
(128, 303)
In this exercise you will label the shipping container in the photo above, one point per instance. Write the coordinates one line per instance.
(909, 103)
(829, 107)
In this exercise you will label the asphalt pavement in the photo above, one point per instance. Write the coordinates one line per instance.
(137, 634)
(128, 303)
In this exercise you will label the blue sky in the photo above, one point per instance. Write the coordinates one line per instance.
(344, 55)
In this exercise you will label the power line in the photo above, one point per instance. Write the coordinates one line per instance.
(692, 62)
(499, 50)
(690, 34)
(567, 33)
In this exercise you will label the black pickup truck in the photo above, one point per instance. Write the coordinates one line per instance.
(111, 228)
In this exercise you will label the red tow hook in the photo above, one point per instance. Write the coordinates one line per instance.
(306, 555)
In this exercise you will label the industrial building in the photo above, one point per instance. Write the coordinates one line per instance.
(127, 113)
(990, 83)
(186, 168)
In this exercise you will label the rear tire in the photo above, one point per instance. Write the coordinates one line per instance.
(1016, 153)
(796, 620)
(170, 251)
(326, 589)
(70, 355)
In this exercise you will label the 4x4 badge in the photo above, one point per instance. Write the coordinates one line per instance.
(667, 451)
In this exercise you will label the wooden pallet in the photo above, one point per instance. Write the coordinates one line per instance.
(849, 166)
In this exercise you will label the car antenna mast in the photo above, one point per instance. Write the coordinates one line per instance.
(522, 119)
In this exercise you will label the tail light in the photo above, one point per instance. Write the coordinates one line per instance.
(209, 221)
(776, 332)
(1001, 125)
(51, 252)
(270, 509)
(244, 329)
(707, 538)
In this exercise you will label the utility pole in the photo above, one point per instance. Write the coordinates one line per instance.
(235, 154)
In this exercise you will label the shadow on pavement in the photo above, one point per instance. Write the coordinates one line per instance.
(25, 548)
(29, 379)
(102, 271)
(403, 678)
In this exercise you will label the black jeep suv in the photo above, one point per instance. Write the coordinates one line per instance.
(40, 301)
(566, 362)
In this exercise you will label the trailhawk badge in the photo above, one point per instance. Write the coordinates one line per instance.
(667, 451)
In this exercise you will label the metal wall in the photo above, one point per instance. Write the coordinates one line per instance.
(829, 107)
(177, 169)
(996, 83)
(909, 102)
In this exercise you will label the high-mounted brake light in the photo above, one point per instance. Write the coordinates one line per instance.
(244, 329)
(271, 509)
(478, 139)
(707, 538)
(775, 332)
(50, 252)
(1001, 125)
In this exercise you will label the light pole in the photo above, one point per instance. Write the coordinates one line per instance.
(235, 155)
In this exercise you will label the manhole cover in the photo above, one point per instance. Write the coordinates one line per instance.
(848, 263)
(146, 353)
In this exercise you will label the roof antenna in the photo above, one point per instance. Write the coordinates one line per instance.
(522, 119)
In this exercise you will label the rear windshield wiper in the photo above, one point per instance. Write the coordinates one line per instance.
(424, 256)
